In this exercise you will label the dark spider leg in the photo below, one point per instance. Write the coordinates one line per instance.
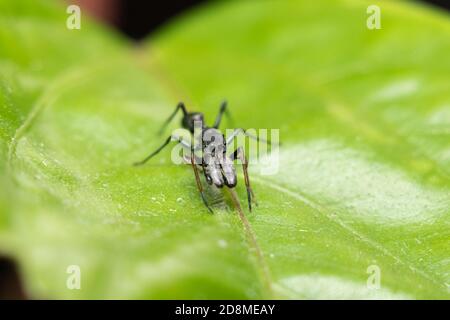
(201, 167)
(223, 110)
(166, 123)
(185, 144)
(199, 183)
(239, 153)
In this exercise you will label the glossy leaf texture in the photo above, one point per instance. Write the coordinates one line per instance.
(364, 170)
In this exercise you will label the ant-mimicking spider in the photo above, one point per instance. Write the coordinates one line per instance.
(217, 166)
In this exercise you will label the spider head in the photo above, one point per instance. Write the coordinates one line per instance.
(192, 120)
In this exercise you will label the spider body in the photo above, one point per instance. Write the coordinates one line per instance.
(218, 167)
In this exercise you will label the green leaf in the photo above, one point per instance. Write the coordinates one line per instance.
(364, 176)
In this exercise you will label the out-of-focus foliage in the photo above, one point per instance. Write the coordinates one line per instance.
(364, 170)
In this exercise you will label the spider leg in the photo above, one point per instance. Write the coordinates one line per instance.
(201, 165)
(154, 153)
(239, 154)
(193, 160)
(223, 110)
(181, 107)
(199, 183)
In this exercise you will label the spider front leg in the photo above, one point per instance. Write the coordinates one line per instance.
(239, 154)
(239, 131)
(223, 110)
(154, 153)
(193, 161)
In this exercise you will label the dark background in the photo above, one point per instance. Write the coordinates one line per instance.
(138, 18)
